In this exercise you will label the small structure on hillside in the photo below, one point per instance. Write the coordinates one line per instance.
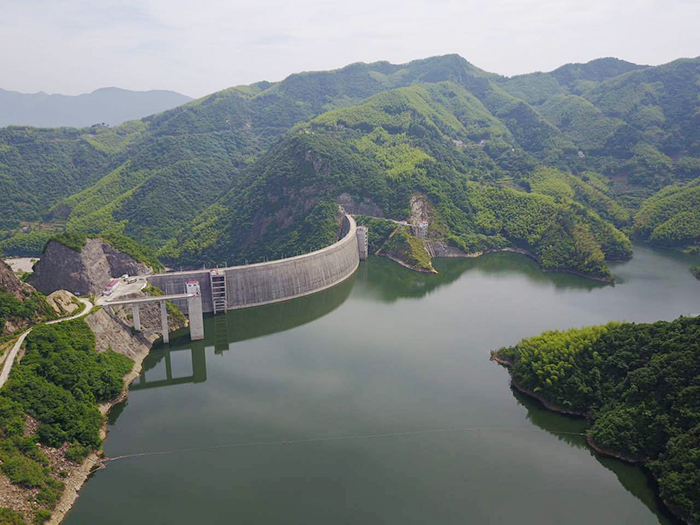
(420, 230)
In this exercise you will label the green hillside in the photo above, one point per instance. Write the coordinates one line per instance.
(639, 125)
(148, 178)
(424, 140)
(671, 217)
(251, 172)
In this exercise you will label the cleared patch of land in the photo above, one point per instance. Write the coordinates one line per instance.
(21, 264)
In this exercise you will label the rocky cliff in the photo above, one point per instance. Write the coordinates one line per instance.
(85, 272)
(8, 281)
(20, 305)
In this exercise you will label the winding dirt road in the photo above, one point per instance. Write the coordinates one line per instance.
(7, 367)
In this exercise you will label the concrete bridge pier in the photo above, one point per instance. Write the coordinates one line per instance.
(137, 317)
(164, 321)
(193, 297)
(194, 310)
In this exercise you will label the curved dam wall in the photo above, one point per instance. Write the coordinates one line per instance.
(274, 281)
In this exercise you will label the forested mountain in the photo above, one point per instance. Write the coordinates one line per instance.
(672, 216)
(419, 139)
(555, 163)
(638, 125)
(111, 106)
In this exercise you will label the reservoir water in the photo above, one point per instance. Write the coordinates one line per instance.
(376, 402)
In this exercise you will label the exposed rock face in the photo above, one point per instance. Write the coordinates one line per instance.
(9, 281)
(442, 249)
(10, 284)
(365, 207)
(84, 272)
(113, 334)
(420, 209)
(425, 223)
(62, 302)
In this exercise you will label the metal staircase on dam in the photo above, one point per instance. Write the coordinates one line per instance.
(218, 291)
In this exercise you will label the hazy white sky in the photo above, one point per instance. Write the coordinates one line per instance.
(200, 46)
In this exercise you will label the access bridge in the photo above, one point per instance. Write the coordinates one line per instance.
(192, 297)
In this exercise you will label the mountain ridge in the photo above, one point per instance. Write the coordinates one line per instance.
(108, 105)
(393, 123)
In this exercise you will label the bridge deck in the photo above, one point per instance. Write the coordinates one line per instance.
(154, 299)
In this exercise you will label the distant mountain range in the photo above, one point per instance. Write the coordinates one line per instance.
(111, 106)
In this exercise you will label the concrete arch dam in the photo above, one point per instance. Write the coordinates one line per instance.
(258, 284)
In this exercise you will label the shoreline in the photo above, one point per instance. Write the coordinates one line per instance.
(456, 253)
(116, 334)
(405, 264)
(547, 404)
(76, 480)
(589, 440)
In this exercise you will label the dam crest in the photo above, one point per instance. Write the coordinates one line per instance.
(244, 286)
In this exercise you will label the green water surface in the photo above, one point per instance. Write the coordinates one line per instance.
(375, 402)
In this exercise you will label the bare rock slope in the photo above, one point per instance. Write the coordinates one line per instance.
(8, 280)
(85, 272)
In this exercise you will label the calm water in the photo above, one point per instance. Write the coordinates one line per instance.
(376, 402)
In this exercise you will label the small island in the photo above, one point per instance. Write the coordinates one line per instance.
(695, 270)
(639, 386)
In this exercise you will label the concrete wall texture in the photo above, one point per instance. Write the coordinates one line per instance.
(274, 281)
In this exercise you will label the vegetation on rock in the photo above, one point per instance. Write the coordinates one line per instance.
(408, 249)
(20, 304)
(32, 307)
(76, 241)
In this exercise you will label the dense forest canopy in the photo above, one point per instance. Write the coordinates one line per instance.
(640, 385)
(252, 172)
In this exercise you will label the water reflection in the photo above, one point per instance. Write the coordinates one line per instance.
(368, 368)
(198, 372)
(381, 279)
(388, 282)
(236, 326)
(278, 317)
(569, 429)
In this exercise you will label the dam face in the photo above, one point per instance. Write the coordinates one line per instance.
(269, 282)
